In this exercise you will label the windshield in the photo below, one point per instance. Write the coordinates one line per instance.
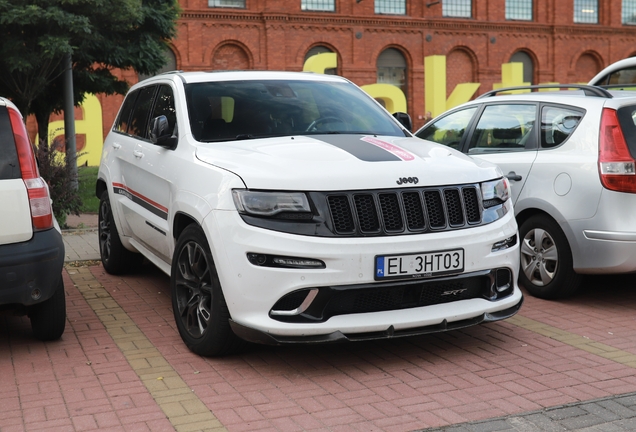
(231, 110)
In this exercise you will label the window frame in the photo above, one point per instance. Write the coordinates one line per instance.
(632, 8)
(211, 5)
(306, 8)
(385, 12)
(507, 17)
(582, 7)
(447, 14)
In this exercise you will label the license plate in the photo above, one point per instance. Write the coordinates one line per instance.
(420, 265)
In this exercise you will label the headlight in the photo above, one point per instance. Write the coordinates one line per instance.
(495, 192)
(270, 203)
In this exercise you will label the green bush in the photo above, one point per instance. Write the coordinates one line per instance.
(55, 169)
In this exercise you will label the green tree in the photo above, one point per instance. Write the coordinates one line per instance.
(99, 34)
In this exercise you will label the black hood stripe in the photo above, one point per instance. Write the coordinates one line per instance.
(362, 149)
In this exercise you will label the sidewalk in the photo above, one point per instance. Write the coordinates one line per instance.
(81, 241)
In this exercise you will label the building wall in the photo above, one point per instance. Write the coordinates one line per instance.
(276, 35)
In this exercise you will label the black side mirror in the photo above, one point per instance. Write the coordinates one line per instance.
(404, 119)
(160, 133)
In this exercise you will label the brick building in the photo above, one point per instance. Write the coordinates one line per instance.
(387, 40)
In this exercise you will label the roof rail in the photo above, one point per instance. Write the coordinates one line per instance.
(589, 90)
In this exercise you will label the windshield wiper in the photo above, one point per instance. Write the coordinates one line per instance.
(243, 137)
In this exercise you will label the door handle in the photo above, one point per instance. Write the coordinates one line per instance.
(138, 154)
(116, 146)
(513, 176)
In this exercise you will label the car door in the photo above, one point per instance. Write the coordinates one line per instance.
(505, 134)
(150, 177)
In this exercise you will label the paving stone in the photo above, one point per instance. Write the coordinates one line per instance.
(564, 413)
(574, 423)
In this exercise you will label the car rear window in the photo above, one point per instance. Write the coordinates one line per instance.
(9, 164)
(627, 119)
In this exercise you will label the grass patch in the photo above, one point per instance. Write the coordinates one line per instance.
(86, 179)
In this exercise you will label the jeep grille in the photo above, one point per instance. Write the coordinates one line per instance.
(404, 211)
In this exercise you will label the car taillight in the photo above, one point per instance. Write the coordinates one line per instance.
(616, 164)
(39, 200)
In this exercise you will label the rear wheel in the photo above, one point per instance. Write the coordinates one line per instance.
(48, 318)
(116, 259)
(198, 303)
(546, 259)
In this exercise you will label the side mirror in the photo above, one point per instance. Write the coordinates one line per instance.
(160, 133)
(404, 119)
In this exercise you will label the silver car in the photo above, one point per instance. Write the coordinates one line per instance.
(570, 158)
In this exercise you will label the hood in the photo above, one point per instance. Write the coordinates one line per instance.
(344, 162)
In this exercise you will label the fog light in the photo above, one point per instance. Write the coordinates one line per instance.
(505, 244)
(257, 259)
(36, 294)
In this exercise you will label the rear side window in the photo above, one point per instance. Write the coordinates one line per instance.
(623, 76)
(557, 124)
(450, 129)
(9, 164)
(139, 119)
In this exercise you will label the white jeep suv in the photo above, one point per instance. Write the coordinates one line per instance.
(291, 207)
(570, 157)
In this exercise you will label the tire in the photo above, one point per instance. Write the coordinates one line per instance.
(200, 311)
(116, 259)
(48, 319)
(547, 269)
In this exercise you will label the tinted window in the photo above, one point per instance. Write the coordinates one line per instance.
(164, 105)
(122, 122)
(254, 109)
(557, 124)
(627, 120)
(9, 164)
(504, 128)
(450, 129)
(139, 118)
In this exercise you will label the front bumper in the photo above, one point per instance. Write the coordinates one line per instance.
(30, 271)
(252, 291)
(261, 337)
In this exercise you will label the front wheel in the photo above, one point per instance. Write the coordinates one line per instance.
(198, 303)
(116, 259)
(546, 259)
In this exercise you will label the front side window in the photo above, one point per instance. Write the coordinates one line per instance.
(164, 105)
(450, 129)
(629, 12)
(623, 76)
(318, 5)
(586, 11)
(396, 7)
(227, 3)
(139, 118)
(557, 124)
(457, 8)
(503, 128)
(519, 10)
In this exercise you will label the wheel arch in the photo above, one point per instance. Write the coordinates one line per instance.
(100, 187)
(182, 221)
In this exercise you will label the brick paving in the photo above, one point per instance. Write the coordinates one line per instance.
(121, 366)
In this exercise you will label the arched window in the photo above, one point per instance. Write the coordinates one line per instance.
(230, 57)
(171, 64)
(391, 68)
(528, 65)
(320, 49)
